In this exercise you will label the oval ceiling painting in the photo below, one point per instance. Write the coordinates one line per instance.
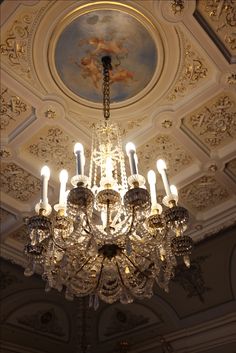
(88, 38)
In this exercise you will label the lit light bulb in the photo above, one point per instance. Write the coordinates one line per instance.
(63, 177)
(133, 159)
(78, 147)
(152, 182)
(151, 177)
(161, 165)
(130, 147)
(45, 173)
(109, 167)
(80, 159)
(174, 190)
(127, 270)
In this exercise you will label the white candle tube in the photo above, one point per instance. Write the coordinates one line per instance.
(133, 159)
(45, 173)
(161, 167)
(80, 159)
(174, 190)
(152, 183)
(63, 177)
(104, 218)
(109, 167)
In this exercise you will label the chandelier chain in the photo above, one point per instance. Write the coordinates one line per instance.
(106, 61)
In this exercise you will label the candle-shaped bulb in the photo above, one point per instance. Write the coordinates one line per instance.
(133, 159)
(109, 167)
(104, 218)
(151, 177)
(130, 147)
(80, 160)
(161, 165)
(63, 177)
(45, 173)
(152, 182)
(78, 147)
(174, 190)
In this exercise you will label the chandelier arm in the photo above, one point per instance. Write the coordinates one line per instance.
(135, 266)
(81, 268)
(120, 275)
(132, 222)
(100, 273)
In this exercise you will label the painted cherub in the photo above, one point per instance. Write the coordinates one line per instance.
(121, 75)
(109, 46)
(90, 69)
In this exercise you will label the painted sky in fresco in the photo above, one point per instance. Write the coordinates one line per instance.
(84, 41)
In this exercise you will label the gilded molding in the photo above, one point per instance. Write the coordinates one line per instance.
(50, 113)
(215, 123)
(231, 79)
(5, 153)
(16, 45)
(204, 193)
(18, 183)
(221, 16)
(163, 146)
(177, 6)
(11, 107)
(194, 70)
(54, 147)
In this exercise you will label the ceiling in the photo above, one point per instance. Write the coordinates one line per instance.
(182, 108)
(174, 96)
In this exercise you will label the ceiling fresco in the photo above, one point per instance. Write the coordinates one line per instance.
(88, 38)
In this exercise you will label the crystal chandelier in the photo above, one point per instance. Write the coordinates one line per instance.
(108, 237)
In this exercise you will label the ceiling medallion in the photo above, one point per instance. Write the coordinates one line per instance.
(87, 35)
(108, 237)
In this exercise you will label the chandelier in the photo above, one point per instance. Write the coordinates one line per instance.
(108, 237)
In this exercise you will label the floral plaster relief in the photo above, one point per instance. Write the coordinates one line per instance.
(204, 193)
(18, 183)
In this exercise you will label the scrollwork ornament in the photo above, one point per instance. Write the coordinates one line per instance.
(222, 17)
(231, 79)
(216, 122)
(204, 193)
(194, 70)
(177, 6)
(5, 153)
(11, 107)
(16, 43)
(54, 147)
(18, 183)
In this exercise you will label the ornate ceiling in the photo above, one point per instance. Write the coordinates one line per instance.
(182, 109)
